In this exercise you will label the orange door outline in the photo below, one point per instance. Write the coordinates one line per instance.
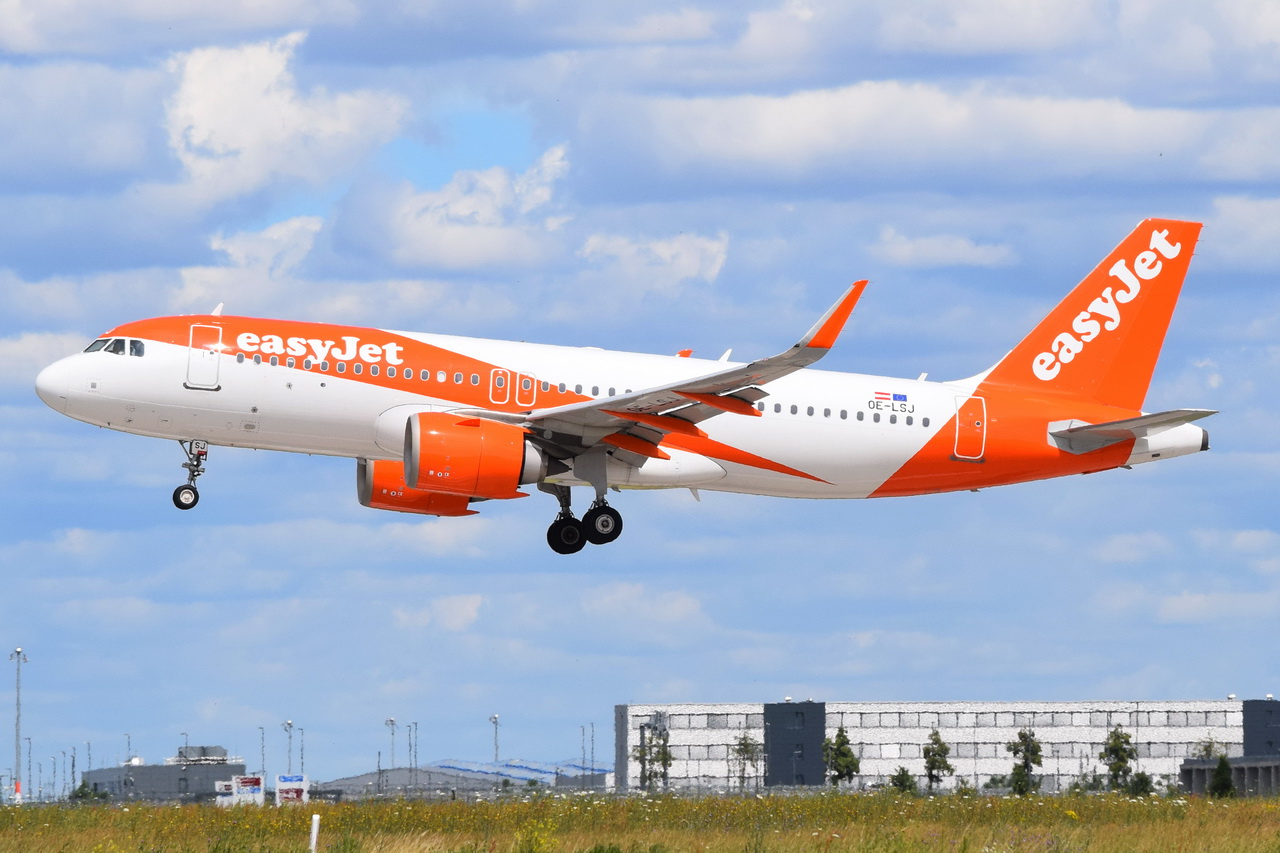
(971, 428)
(499, 386)
(203, 355)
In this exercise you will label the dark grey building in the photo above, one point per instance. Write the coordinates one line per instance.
(793, 735)
(187, 777)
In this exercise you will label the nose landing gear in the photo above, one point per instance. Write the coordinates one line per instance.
(186, 496)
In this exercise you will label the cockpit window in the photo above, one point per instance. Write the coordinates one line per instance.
(135, 348)
(96, 345)
(116, 346)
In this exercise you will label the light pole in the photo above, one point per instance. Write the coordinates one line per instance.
(302, 750)
(186, 743)
(494, 720)
(391, 724)
(29, 776)
(128, 748)
(73, 769)
(19, 658)
(287, 725)
(88, 759)
(262, 752)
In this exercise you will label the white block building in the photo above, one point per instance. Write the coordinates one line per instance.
(889, 735)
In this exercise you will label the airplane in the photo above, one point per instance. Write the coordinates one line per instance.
(439, 424)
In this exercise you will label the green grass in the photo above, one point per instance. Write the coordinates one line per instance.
(827, 823)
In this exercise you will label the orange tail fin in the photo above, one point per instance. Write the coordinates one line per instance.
(1102, 341)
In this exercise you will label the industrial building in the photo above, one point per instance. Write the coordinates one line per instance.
(456, 778)
(190, 776)
(717, 747)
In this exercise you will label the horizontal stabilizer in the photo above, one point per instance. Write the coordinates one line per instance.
(1078, 437)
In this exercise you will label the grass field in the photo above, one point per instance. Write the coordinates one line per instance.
(830, 823)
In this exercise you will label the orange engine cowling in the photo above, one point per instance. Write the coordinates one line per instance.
(469, 456)
(380, 485)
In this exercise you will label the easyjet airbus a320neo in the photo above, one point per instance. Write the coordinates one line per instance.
(438, 424)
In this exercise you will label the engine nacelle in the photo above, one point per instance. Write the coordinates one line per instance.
(469, 456)
(380, 485)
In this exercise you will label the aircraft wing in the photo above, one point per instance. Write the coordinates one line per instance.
(636, 422)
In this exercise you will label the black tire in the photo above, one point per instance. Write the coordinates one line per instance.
(602, 525)
(185, 497)
(566, 536)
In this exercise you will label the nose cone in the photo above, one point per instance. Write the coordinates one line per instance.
(52, 384)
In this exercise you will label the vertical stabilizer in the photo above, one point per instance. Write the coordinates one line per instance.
(1102, 341)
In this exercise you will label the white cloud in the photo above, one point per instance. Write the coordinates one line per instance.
(940, 250)
(1189, 608)
(1243, 233)
(61, 26)
(480, 219)
(987, 26)
(659, 265)
(238, 121)
(1133, 547)
(450, 612)
(30, 352)
(1258, 549)
(635, 605)
(65, 123)
(262, 263)
(872, 130)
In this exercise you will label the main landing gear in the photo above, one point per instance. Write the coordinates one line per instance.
(567, 535)
(187, 496)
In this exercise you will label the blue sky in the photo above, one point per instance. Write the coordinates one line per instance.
(648, 176)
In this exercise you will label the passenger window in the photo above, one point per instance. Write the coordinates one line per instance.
(562, 387)
(373, 370)
(876, 417)
(860, 415)
(794, 408)
(257, 359)
(292, 362)
(475, 379)
(595, 390)
(357, 368)
(546, 386)
(116, 347)
(844, 414)
(893, 419)
(275, 361)
(777, 408)
(440, 375)
(96, 345)
(499, 381)
(457, 379)
(342, 367)
(306, 365)
(577, 389)
(136, 348)
(324, 365)
(826, 413)
(612, 393)
(810, 410)
(526, 384)
(924, 422)
(239, 358)
(908, 420)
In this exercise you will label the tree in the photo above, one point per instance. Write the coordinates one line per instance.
(842, 764)
(85, 794)
(1141, 785)
(935, 760)
(1026, 749)
(1220, 784)
(746, 751)
(1116, 753)
(903, 781)
(654, 754)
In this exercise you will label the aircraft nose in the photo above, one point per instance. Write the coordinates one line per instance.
(52, 384)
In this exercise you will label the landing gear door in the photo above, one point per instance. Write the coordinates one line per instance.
(203, 357)
(971, 428)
